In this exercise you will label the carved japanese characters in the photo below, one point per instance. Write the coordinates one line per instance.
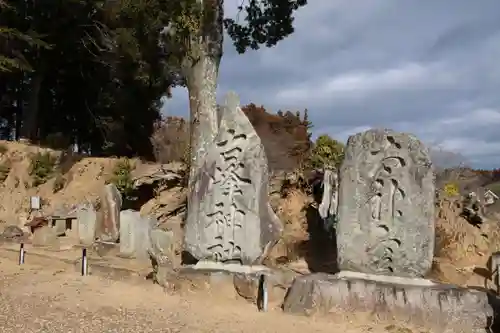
(229, 216)
(386, 205)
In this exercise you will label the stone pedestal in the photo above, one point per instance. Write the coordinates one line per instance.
(230, 280)
(437, 307)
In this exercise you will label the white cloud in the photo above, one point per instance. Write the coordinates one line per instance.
(462, 134)
(479, 117)
(362, 83)
(365, 81)
(472, 148)
(450, 134)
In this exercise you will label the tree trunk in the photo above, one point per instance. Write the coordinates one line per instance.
(201, 71)
(202, 86)
(30, 117)
(19, 109)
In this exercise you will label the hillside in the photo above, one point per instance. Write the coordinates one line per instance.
(81, 181)
(77, 179)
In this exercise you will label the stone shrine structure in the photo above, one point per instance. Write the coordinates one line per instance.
(229, 216)
(386, 205)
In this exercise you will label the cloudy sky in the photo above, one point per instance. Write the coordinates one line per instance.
(427, 67)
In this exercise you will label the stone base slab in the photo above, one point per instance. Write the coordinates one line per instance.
(228, 279)
(419, 302)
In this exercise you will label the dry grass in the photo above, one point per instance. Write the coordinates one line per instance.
(462, 249)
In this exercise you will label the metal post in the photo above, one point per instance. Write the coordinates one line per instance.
(84, 262)
(263, 292)
(496, 278)
(21, 254)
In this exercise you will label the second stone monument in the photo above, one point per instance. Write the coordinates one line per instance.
(386, 205)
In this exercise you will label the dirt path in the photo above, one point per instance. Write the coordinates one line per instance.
(35, 299)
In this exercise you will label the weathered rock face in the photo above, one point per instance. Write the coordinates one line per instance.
(162, 243)
(229, 216)
(386, 205)
(162, 253)
(108, 226)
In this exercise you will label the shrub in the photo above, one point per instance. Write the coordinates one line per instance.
(42, 167)
(327, 151)
(3, 149)
(122, 177)
(451, 190)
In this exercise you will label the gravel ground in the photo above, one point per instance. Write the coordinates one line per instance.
(41, 299)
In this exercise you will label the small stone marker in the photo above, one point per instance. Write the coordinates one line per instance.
(45, 236)
(135, 234)
(87, 221)
(35, 203)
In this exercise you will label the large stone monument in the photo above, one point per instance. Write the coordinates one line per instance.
(229, 217)
(385, 240)
(386, 205)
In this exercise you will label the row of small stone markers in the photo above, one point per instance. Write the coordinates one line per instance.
(385, 231)
(132, 234)
(135, 235)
